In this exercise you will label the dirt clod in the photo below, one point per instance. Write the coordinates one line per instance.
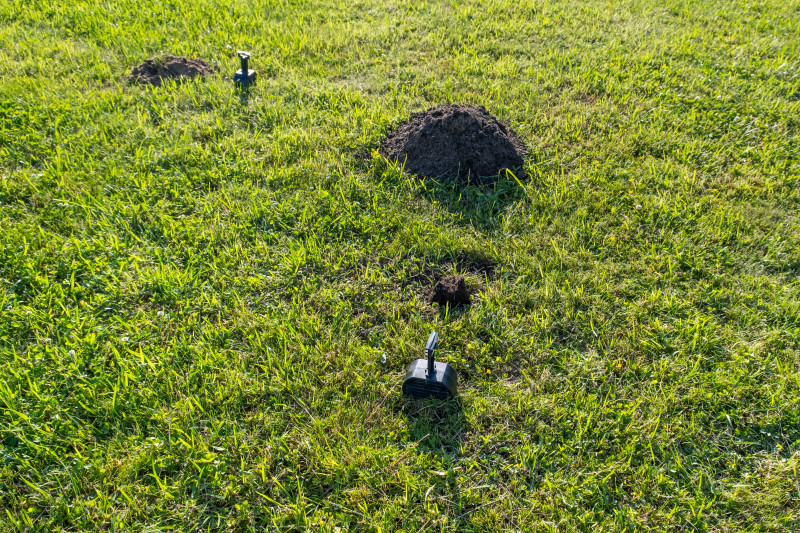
(451, 290)
(154, 71)
(455, 142)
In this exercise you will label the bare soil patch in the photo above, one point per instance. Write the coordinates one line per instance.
(154, 71)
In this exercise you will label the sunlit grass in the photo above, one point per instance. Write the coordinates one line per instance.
(199, 285)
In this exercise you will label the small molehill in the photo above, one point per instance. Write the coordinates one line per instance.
(154, 71)
(455, 142)
(451, 290)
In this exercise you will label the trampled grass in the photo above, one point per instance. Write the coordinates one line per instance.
(198, 286)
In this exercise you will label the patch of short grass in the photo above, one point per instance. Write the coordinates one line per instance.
(198, 285)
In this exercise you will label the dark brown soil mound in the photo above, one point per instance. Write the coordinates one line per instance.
(154, 71)
(455, 142)
(451, 290)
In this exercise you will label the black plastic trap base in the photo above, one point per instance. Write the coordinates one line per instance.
(245, 79)
(244, 76)
(427, 378)
(442, 384)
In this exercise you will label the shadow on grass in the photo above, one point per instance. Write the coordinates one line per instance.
(438, 426)
(480, 205)
(450, 313)
(244, 95)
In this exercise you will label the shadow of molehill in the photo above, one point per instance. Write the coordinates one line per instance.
(478, 202)
(480, 205)
(439, 426)
(465, 262)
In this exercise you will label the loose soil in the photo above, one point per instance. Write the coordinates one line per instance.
(154, 71)
(457, 143)
(451, 290)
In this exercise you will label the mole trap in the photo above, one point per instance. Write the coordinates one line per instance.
(427, 378)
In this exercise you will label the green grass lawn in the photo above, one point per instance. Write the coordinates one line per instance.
(198, 286)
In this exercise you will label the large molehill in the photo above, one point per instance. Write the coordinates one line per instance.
(456, 143)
